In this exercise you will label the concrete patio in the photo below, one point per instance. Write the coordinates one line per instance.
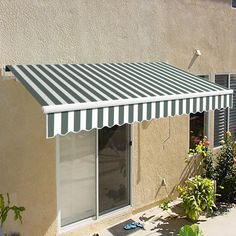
(159, 223)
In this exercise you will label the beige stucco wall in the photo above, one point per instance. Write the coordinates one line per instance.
(159, 153)
(92, 31)
(27, 162)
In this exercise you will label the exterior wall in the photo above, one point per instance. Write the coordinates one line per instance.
(27, 160)
(93, 32)
(159, 153)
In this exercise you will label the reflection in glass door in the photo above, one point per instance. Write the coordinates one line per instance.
(77, 176)
(114, 174)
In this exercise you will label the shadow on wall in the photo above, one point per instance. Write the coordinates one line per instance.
(194, 58)
(191, 169)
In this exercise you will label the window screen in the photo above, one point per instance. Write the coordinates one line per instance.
(221, 116)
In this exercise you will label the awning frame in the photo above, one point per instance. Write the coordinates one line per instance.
(100, 104)
(77, 97)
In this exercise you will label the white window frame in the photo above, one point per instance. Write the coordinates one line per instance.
(127, 209)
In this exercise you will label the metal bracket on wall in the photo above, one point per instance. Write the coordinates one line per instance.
(6, 74)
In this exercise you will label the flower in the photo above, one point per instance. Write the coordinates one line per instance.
(222, 142)
(228, 133)
(207, 143)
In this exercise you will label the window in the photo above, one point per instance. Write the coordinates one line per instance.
(196, 129)
(234, 3)
(225, 119)
(82, 171)
(198, 124)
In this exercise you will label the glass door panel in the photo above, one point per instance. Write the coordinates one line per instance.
(114, 174)
(77, 176)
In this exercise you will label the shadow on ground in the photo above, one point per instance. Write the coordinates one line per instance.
(167, 224)
(222, 209)
(171, 224)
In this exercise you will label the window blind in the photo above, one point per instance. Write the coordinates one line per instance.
(221, 116)
(232, 111)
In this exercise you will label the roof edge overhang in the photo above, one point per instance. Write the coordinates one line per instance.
(120, 102)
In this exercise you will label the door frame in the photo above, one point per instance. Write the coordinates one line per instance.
(90, 220)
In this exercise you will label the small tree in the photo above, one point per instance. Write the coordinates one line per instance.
(225, 170)
(5, 208)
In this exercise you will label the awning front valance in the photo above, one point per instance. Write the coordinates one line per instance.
(79, 97)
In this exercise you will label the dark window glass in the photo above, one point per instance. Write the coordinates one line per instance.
(113, 151)
(198, 124)
(234, 3)
(196, 129)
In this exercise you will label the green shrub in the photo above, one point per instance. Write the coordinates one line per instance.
(165, 205)
(192, 230)
(5, 208)
(225, 170)
(221, 167)
(202, 152)
(198, 196)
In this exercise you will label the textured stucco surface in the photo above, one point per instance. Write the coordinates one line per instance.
(129, 30)
(91, 31)
(160, 150)
(27, 161)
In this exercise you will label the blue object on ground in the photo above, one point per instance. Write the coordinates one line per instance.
(139, 224)
(133, 225)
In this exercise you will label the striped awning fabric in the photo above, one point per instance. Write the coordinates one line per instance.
(79, 97)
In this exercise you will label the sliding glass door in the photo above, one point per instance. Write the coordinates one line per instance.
(77, 177)
(85, 192)
(114, 176)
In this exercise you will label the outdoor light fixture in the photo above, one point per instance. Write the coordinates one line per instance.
(198, 52)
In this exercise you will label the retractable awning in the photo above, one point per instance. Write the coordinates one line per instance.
(78, 97)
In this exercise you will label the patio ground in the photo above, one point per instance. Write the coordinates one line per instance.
(159, 223)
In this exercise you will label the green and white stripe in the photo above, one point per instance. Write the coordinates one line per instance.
(79, 97)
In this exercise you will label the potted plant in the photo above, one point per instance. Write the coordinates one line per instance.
(5, 208)
(198, 196)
